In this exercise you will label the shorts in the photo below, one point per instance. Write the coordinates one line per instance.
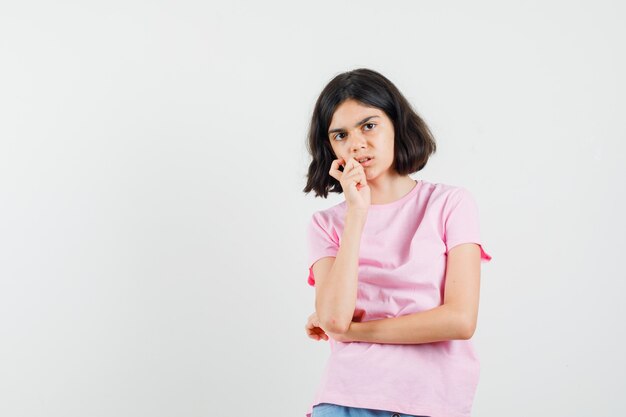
(334, 410)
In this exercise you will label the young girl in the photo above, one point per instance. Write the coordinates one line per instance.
(396, 266)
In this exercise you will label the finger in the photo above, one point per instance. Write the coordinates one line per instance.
(311, 333)
(348, 164)
(357, 178)
(334, 168)
(351, 164)
(362, 180)
(344, 163)
(313, 336)
(320, 333)
(355, 167)
(355, 173)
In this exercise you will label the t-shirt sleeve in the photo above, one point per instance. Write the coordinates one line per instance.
(461, 222)
(322, 242)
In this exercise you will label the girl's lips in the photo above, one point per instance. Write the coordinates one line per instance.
(367, 163)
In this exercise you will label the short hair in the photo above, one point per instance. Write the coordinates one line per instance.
(413, 140)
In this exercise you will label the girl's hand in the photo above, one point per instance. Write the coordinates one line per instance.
(353, 182)
(315, 332)
(313, 329)
(345, 337)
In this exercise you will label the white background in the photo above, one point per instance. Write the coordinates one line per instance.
(152, 219)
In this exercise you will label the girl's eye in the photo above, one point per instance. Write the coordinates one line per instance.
(367, 124)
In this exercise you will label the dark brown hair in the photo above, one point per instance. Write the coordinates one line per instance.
(413, 140)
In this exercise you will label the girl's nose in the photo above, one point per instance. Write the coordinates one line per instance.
(357, 141)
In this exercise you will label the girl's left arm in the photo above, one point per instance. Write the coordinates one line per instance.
(455, 319)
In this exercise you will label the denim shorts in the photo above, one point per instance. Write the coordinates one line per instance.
(334, 410)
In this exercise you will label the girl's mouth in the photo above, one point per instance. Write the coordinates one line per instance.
(367, 162)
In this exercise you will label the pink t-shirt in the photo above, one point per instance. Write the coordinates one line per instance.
(402, 264)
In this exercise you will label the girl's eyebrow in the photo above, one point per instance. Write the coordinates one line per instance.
(356, 125)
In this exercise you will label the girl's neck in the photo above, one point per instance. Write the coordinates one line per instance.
(391, 188)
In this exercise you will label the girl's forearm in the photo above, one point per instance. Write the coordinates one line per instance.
(335, 308)
(435, 325)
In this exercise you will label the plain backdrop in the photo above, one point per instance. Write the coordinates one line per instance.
(152, 219)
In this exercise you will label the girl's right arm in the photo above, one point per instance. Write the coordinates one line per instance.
(337, 278)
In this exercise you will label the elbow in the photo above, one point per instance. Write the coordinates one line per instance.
(463, 323)
(331, 320)
(335, 326)
(466, 330)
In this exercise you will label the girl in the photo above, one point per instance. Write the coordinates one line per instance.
(396, 266)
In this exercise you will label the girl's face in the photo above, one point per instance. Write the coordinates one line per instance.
(357, 130)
